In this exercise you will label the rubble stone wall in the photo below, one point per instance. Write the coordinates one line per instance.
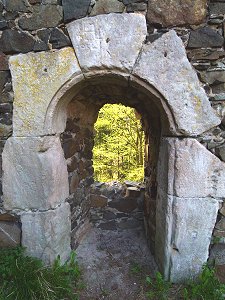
(40, 25)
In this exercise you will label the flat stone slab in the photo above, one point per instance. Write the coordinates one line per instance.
(35, 173)
(187, 169)
(36, 78)
(108, 41)
(47, 234)
(184, 230)
(164, 65)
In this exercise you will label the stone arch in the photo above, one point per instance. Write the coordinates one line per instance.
(35, 183)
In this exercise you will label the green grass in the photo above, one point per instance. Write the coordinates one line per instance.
(23, 277)
(206, 287)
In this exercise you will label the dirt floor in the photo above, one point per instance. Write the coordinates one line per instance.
(114, 264)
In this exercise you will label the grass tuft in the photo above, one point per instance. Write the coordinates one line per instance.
(23, 277)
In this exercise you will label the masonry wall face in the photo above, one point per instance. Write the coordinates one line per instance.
(41, 26)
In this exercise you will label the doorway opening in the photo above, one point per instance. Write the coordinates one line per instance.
(110, 204)
(118, 152)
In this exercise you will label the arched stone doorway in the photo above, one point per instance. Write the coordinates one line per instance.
(155, 77)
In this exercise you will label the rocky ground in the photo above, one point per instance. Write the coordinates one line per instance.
(115, 249)
(114, 256)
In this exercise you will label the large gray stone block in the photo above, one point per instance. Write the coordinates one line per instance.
(184, 230)
(164, 65)
(187, 169)
(47, 234)
(35, 173)
(108, 41)
(36, 79)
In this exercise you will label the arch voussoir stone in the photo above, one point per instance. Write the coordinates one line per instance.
(110, 41)
(36, 78)
(164, 65)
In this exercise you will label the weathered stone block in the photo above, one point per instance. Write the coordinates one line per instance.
(213, 76)
(4, 77)
(47, 234)
(35, 173)
(98, 201)
(124, 204)
(187, 169)
(205, 37)
(136, 7)
(10, 234)
(44, 16)
(217, 254)
(106, 7)
(4, 66)
(167, 12)
(30, 74)
(58, 39)
(221, 224)
(184, 230)
(217, 8)
(75, 9)
(164, 65)
(13, 41)
(99, 41)
(17, 5)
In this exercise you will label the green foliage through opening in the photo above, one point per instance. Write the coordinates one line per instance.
(118, 153)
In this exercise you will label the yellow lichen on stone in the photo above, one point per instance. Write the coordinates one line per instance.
(36, 79)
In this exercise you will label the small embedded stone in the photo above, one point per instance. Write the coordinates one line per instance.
(44, 16)
(205, 54)
(98, 201)
(58, 39)
(173, 12)
(222, 210)
(17, 5)
(34, 1)
(111, 225)
(4, 66)
(13, 41)
(221, 224)
(126, 2)
(10, 234)
(74, 182)
(205, 37)
(40, 46)
(3, 23)
(4, 77)
(213, 76)
(75, 9)
(217, 8)
(44, 35)
(8, 218)
(136, 7)
(106, 7)
(1, 6)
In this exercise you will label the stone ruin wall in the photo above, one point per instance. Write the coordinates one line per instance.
(39, 25)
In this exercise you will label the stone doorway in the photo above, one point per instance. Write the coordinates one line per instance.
(185, 182)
